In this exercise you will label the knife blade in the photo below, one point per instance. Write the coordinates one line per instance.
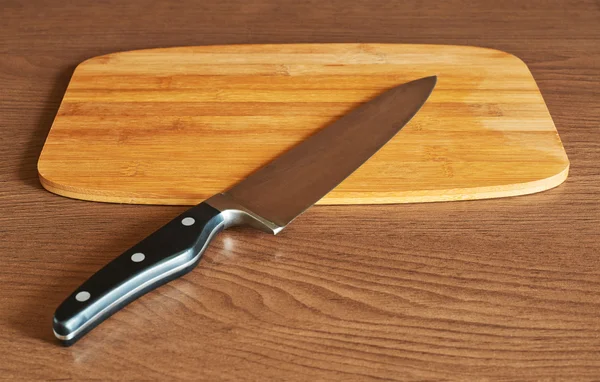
(269, 199)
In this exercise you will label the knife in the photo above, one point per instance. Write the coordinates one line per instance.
(268, 199)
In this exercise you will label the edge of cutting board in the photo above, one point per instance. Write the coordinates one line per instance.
(454, 194)
(457, 194)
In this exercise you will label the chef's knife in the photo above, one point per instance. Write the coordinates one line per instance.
(268, 199)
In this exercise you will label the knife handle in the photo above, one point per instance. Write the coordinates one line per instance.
(168, 253)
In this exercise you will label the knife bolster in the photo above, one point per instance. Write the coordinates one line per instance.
(236, 214)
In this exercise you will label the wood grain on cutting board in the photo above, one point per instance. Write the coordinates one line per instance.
(177, 125)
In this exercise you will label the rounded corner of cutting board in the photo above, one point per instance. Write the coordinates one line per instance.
(498, 52)
(51, 186)
(521, 189)
(561, 176)
(60, 187)
(103, 59)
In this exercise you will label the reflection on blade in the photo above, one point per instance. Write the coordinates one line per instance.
(296, 180)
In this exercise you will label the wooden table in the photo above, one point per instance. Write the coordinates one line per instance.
(505, 289)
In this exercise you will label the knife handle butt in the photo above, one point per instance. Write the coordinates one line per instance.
(168, 253)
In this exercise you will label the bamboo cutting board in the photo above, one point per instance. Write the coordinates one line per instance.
(177, 125)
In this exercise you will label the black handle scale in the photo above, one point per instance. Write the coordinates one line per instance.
(168, 253)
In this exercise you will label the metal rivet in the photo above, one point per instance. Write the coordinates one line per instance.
(82, 296)
(137, 257)
(188, 221)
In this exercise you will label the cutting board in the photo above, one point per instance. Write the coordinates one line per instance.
(177, 125)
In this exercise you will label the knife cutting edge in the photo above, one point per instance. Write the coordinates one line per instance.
(269, 199)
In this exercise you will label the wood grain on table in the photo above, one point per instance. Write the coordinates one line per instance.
(505, 289)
